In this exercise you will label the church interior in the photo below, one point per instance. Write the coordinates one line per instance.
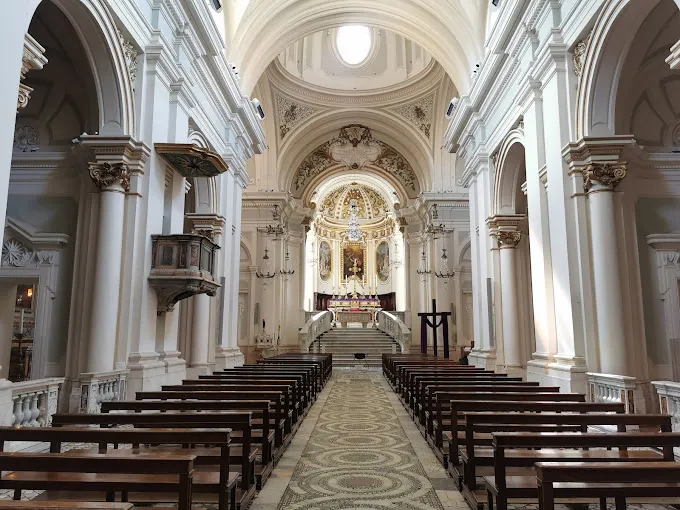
(340, 254)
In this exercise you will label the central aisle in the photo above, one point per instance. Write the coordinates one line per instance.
(358, 449)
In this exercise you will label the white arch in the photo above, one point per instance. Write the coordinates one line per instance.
(604, 60)
(509, 163)
(451, 30)
(92, 21)
(323, 127)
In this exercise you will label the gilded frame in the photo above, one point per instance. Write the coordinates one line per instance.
(355, 247)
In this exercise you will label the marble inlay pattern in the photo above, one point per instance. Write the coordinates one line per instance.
(358, 455)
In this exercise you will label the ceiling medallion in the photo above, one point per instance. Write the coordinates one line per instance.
(356, 148)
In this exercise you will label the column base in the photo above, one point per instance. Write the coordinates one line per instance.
(148, 372)
(567, 373)
(483, 358)
(194, 371)
(6, 403)
(512, 370)
(226, 357)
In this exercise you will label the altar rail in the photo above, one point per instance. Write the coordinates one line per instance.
(395, 328)
(314, 328)
(609, 388)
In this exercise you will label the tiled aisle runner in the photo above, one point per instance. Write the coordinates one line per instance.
(359, 456)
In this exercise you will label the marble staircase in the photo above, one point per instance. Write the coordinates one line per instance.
(343, 343)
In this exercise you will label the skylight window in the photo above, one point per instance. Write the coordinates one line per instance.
(354, 43)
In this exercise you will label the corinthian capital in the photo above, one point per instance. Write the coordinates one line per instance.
(106, 175)
(607, 175)
(509, 239)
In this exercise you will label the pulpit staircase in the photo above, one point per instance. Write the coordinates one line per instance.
(344, 343)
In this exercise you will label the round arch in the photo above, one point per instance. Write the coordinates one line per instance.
(610, 41)
(326, 126)
(269, 26)
(510, 162)
(94, 24)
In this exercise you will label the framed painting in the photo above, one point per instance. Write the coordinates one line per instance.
(353, 256)
(382, 261)
(325, 261)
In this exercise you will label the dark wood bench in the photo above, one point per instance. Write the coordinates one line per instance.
(217, 482)
(242, 458)
(63, 505)
(479, 427)
(524, 450)
(460, 407)
(310, 383)
(258, 411)
(602, 480)
(94, 472)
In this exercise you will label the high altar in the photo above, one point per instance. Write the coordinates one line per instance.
(354, 309)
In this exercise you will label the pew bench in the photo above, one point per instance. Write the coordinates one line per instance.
(601, 480)
(523, 450)
(63, 505)
(95, 473)
(242, 458)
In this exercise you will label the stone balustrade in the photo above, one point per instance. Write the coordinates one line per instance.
(612, 388)
(314, 328)
(99, 387)
(393, 326)
(669, 402)
(35, 402)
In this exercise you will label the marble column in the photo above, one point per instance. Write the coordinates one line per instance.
(600, 179)
(512, 342)
(113, 180)
(200, 331)
(115, 159)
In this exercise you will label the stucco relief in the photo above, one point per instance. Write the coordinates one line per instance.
(356, 148)
(419, 113)
(291, 114)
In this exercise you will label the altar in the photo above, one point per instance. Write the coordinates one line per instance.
(354, 309)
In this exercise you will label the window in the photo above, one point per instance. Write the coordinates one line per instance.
(354, 43)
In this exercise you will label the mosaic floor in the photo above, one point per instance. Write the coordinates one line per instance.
(362, 452)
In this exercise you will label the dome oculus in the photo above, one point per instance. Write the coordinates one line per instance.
(354, 43)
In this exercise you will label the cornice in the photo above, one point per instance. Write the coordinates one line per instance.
(411, 89)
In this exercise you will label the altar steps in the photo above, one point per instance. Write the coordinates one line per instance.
(343, 343)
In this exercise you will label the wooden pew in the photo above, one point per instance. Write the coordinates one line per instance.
(287, 391)
(218, 482)
(88, 472)
(63, 505)
(601, 480)
(442, 398)
(479, 426)
(242, 459)
(459, 407)
(524, 450)
(255, 407)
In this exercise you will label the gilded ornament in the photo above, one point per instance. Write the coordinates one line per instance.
(608, 175)
(106, 174)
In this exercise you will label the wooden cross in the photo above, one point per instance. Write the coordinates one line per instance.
(425, 323)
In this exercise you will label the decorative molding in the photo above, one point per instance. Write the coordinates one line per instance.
(105, 175)
(190, 160)
(291, 114)
(607, 175)
(130, 57)
(579, 55)
(356, 148)
(419, 113)
(26, 138)
(33, 58)
(508, 239)
(15, 253)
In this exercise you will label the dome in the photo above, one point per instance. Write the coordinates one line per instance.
(371, 203)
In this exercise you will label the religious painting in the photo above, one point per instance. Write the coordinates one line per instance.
(382, 261)
(325, 261)
(353, 260)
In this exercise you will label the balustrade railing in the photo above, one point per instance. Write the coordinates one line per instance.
(393, 326)
(35, 402)
(612, 388)
(669, 402)
(314, 328)
(96, 388)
